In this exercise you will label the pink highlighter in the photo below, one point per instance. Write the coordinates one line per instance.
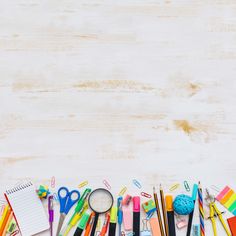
(136, 215)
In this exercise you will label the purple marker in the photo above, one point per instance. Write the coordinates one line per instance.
(50, 212)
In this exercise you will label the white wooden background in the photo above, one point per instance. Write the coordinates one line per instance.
(116, 90)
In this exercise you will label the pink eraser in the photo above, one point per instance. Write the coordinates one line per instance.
(126, 201)
(127, 219)
(222, 193)
(136, 204)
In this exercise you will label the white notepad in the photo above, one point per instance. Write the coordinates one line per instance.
(28, 209)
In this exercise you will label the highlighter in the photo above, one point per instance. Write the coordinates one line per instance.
(113, 219)
(82, 224)
(170, 215)
(136, 215)
(89, 224)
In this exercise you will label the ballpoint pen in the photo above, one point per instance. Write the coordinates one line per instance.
(105, 225)
(119, 213)
(89, 224)
(50, 213)
(78, 208)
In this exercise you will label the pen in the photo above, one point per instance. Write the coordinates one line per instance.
(136, 215)
(50, 213)
(82, 224)
(119, 213)
(105, 225)
(113, 219)
(170, 215)
(194, 196)
(89, 224)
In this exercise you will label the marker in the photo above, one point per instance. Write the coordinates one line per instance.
(136, 215)
(82, 223)
(113, 219)
(170, 215)
(194, 196)
(50, 213)
(119, 213)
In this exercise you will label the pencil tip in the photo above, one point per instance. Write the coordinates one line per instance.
(154, 190)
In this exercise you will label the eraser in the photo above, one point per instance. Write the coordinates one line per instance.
(127, 219)
(155, 227)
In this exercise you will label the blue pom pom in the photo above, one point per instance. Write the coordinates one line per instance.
(183, 204)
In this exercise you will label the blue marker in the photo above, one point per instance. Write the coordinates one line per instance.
(119, 213)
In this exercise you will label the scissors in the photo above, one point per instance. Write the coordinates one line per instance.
(66, 199)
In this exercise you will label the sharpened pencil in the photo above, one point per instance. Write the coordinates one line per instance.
(164, 213)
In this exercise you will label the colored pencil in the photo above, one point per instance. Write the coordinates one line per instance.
(164, 213)
(201, 210)
(158, 212)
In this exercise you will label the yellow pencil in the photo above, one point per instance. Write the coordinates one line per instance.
(4, 215)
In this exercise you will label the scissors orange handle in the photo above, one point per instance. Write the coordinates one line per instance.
(105, 225)
(89, 224)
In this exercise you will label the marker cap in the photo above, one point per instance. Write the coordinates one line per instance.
(194, 193)
(136, 204)
(113, 214)
(83, 221)
(169, 203)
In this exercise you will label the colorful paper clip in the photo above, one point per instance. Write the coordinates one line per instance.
(186, 185)
(53, 182)
(122, 191)
(122, 233)
(82, 184)
(108, 186)
(147, 195)
(174, 187)
(136, 183)
(15, 233)
(55, 197)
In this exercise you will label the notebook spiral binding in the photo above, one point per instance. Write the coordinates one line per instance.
(18, 188)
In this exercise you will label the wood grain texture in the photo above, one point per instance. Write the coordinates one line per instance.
(93, 89)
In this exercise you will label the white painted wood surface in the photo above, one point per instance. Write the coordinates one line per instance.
(118, 90)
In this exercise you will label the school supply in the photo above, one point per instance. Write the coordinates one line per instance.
(5, 212)
(186, 186)
(12, 226)
(232, 225)
(120, 213)
(196, 230)
(76, 215)
(27, 208)
(145, 231)
(82, 223)
(158, 212)
(126, 201)
(113, 219)
(190, 219)
(136, 215)
(201, 210)
(136, 183)
(183, 204)
(147, 195)
(43, 191)
(89, 224)
(105, 225)
(67, 199)
(122, 191)
(127, 218)
(155, 227)
(82, 184)
(227, 197)
(170, 215)
(50, 213)
(214, 212)
(164, 214)
(100, 201)
(149, 207)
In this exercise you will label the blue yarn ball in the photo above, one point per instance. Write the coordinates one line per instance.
(183, 204)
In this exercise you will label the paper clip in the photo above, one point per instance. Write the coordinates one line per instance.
(108, 186)
(122, 191)
(55, 197)
(136, 183)
(122, 233)
(174, 187)
(147, 195)
(186, 185)
(15, 233)
(53, 182)
(84, 183)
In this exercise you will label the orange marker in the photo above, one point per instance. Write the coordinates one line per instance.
(89, 224)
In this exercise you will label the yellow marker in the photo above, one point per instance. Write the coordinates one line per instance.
(113, 216)
(81, 185)
(122, 191)
(4, 215)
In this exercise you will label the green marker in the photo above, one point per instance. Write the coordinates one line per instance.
(82, 224)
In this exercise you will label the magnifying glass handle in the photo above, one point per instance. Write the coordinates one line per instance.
(94, 224)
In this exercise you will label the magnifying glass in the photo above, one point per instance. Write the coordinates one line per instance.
(100, 201)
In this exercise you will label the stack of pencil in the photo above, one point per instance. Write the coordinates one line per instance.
(5, 220)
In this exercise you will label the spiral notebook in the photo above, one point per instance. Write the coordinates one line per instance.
(28, 209)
